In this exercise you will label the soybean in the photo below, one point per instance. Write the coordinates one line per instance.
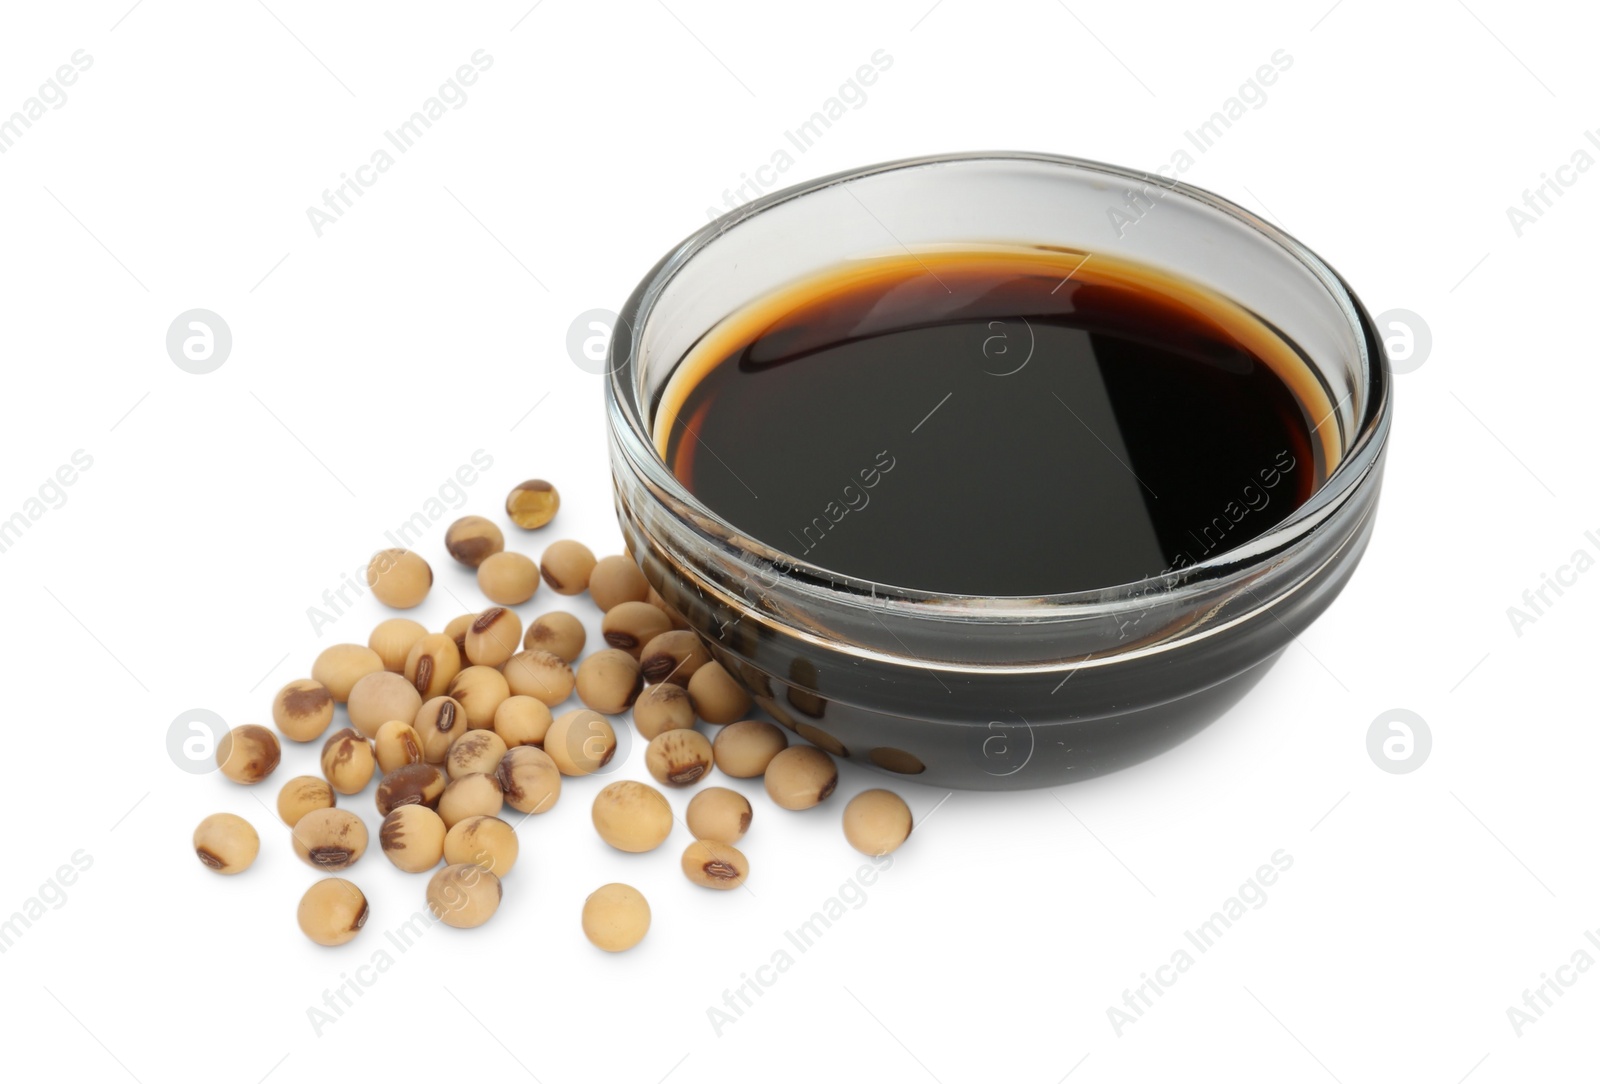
(482, 841)
(717, 698)
(226, 843)
(493, 636)
(744, 749)
(330, 839)
(380, 697)
(800, 777)
(580, 742)
(522, 720)
(719, 814)
(557, 632)
(301, 795)
(609, 681)
(471, 539)
(474, 751)
(508, 578)
(399, 578)
(661, 708)
(615, 917)
(480, 690)
(248, 754)
(348, 761)
(475, 795)
(432, 664)
(303, 709)
(396, 745)
(632, 816)
(392, 640)
(710, 864)
(678, 758)
(340, 666)
(456, 628)
(566, 565)
(529, 779)
(410, 784)
(876, 822)
(673, 656)
(541, 675)
(439, 723)
(464, 895)
(533, 504)
(616, 580)
(412, 837)
(332, 911)
(631, 625)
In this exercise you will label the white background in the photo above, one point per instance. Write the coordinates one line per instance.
(369, 363)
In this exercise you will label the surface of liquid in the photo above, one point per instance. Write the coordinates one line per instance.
(997, 422)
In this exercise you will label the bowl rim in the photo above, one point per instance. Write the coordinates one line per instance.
(631, 432)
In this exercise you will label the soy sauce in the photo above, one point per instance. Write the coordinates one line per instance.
(999, 422)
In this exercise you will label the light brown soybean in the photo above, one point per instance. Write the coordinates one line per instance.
(632, 816)
(493, 636)
(557, 632)
(433, 663)
(711, 864)
(475, 795)
(616, 580)
(330, 839)
(332, 911)
(226, 843)
(399, 578)
(565, 566)
(380, 697)
(673, 656)
(532, 504)
(301, 795)
(471, 539)
(412, 837)
(609, 681)
(876, 822)
(717, 698)
(674, 618)
(508, 578)
(482, 841)
(480, 690)
(522, 720)
(397, 744)
(348, 761)
(410, 784)
(628, 626)
(719, 814)
(439, 723)
(392, 640)
(340, 666)
(302, 709)
(474, 751)
(661, 708)
(541, 675)
(529, 779)
(581, 742)
(615, 917)
(248, 754)
(456, 628)
(800, 777)
(678, 758)
(464, 895)
(744, 749)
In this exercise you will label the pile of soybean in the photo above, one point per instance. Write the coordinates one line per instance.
(458, 724)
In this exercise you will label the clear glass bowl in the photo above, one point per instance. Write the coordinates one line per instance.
(969, 691)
